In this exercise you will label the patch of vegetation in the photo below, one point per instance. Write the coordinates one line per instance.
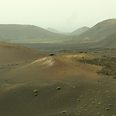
(35, 92)
(85, 105)
(73, 87)
(81, 96)
(80, 113)
(107, 109)
(93, 103)
(78, 99)
(64, 111)
(108, 64)
(58, 88)
(99, 103)
(107, 91)
(96, 106)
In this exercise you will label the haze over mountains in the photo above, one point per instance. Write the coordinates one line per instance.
(25, 33)
(98, 32)
(76, 32)
(102, 33)
(15, 33)
(80, 30)
(55, 31)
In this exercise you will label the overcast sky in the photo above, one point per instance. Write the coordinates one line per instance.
(63, 15)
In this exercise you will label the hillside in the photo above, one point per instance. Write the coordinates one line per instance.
(97, 32)
(108, 42)
(58, 85)
(25, 33)
(34, 83)
(80, 30)
(76, 32)
(12, 53)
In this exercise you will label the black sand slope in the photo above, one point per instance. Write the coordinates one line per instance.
(76, 97)
(59, 85)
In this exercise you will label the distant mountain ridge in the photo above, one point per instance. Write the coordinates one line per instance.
(15, 32)
(76, 32)
(98, 32)
(53, 30)
(101, 32)
(80, 30)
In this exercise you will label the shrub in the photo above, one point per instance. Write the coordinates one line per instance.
(81, 96)
(35, 94)
(58, 88)
(107, 109)
(73, 87)
(35, 91)
(64, 111)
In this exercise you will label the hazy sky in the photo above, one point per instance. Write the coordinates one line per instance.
(63, 15)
